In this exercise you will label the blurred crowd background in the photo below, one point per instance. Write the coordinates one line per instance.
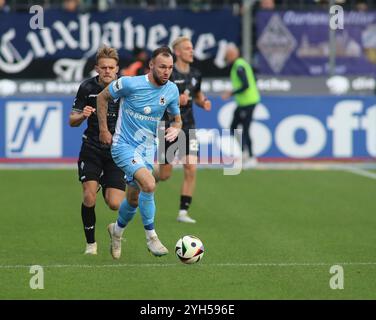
(85, 5)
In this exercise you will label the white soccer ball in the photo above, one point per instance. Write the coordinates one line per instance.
(189, 249)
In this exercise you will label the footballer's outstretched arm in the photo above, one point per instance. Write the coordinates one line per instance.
(102, 106)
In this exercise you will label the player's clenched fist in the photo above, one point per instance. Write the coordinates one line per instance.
(88, 110)
(105, 137)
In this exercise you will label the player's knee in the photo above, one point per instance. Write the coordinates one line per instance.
(190, 171)
(149, 186)
(113, 204)
(89, 198)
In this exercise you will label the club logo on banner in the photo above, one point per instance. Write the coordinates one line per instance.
(297, 43)
(33, 129)
(276, 43)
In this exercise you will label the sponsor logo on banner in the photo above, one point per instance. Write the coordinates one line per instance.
(7, 87)
(70, 40)
(302, 135)
(338, 84)
(33, 129)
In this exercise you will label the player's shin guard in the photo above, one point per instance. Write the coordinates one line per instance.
(147, 208)
(126, 213)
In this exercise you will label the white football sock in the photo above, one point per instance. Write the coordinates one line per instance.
(183, 212)
(150, 233)
(118, 230)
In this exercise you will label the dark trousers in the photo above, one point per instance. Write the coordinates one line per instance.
(243, 116)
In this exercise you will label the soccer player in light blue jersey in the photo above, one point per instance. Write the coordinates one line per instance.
(144, 99)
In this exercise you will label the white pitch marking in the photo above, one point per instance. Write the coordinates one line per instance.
(153, 265)
(361, 172)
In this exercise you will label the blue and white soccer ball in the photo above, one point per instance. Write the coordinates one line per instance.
(189, 249)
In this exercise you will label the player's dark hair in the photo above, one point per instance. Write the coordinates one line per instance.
(164, 51)
(107, 52)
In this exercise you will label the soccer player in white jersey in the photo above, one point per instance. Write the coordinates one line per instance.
(144, 99)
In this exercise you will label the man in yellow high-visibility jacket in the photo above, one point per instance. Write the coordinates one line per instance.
(246, 96)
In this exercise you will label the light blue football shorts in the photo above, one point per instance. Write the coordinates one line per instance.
(130, 159)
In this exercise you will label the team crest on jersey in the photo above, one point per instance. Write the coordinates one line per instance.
(147, 110)
(194, 81)
(162, 101)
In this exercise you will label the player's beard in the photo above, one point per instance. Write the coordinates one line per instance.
(107, 81)
(158, 80)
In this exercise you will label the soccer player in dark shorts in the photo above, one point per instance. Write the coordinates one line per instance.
(95, 164)
(188, 81)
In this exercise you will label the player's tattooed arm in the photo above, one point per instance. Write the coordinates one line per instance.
(76, 118)
(80, 109)
(103, 98)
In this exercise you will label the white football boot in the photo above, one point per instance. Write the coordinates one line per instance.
(156, 247)
(184, 217)
(115, 247)
(91, 248)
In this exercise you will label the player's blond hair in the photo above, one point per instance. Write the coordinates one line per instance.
(178, 41)
(107, 52)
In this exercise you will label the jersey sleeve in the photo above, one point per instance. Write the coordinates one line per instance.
(173, 106)
(243, 79)
(197, 87)
(80, 101)
(120, 87)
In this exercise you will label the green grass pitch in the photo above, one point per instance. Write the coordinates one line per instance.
(267, 235)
